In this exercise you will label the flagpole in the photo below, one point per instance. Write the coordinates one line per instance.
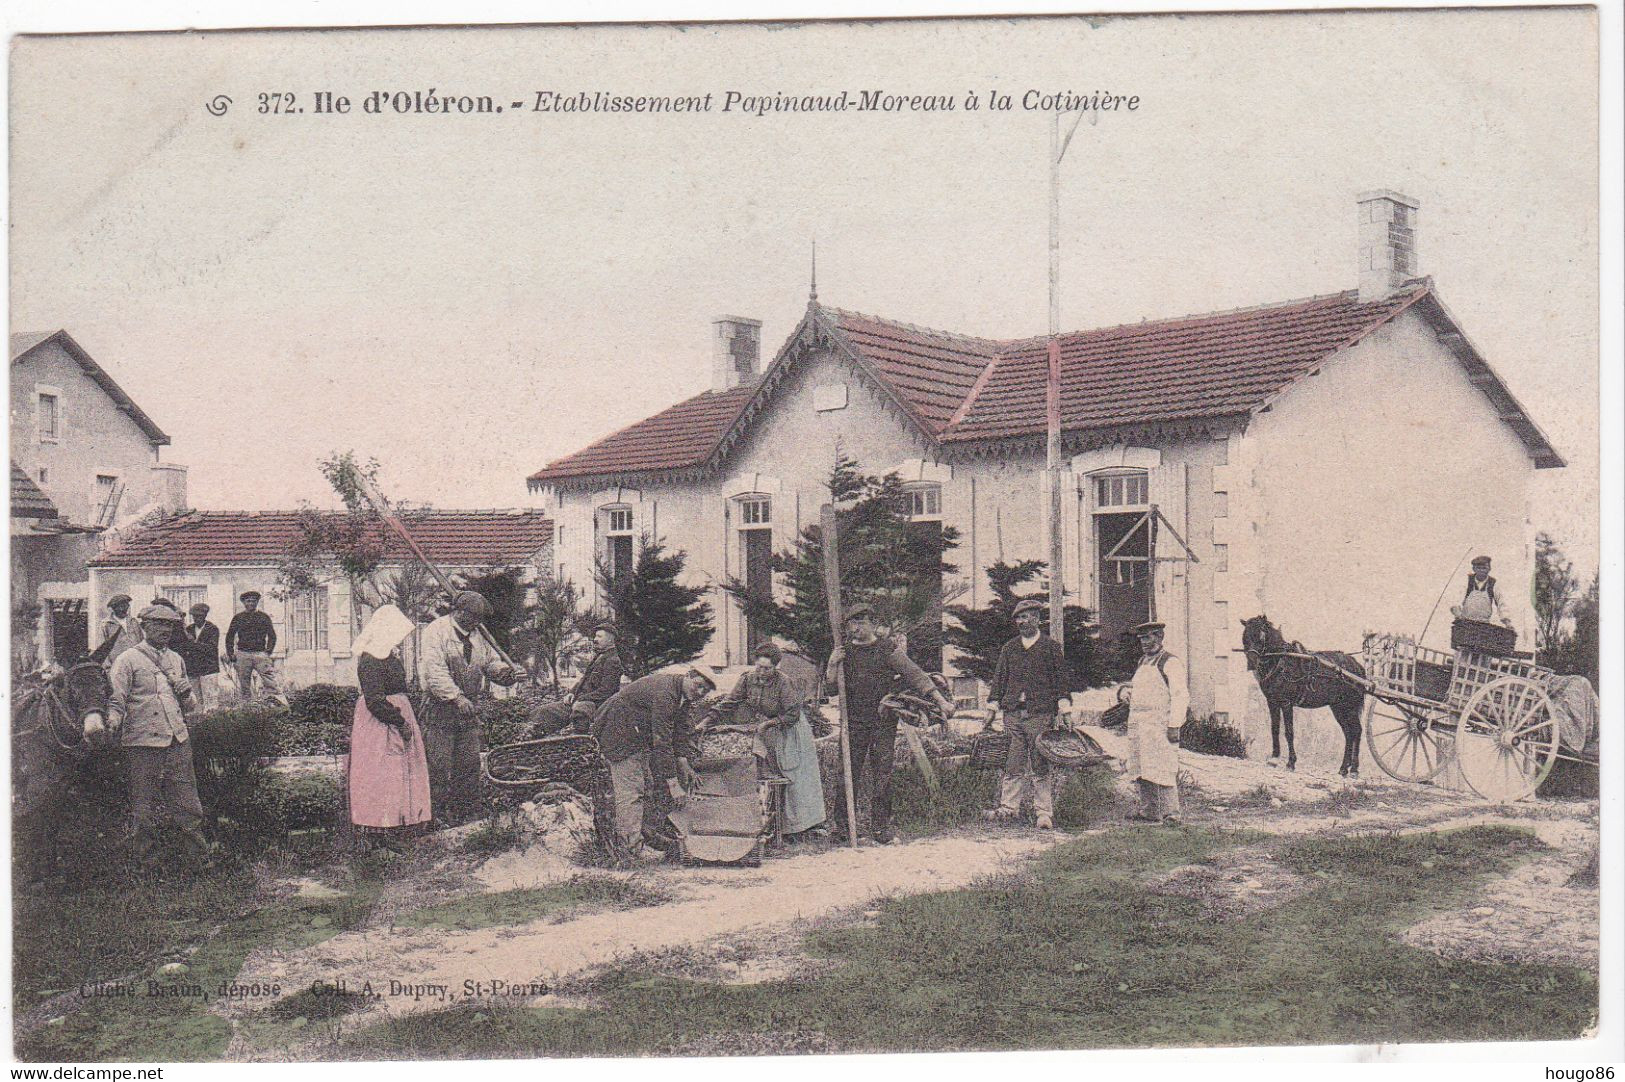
(1052, 392)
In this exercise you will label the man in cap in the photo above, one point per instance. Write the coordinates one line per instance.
(455, 664)
(645, 733)
(1483, 600)
(599, 681)
(250, 641)
(120, 630)
(151, 697)
(203, 657)
(1028, 683)
(1157, 707)
(872, 666)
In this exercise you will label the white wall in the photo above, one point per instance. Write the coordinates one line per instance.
(1368, 483)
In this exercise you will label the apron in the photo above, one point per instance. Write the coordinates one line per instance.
(1477, 605)
(389, 777)
(796, 756)
(1150, 756)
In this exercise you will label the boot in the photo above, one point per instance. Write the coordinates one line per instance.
(1009, 801)
(1044, 802)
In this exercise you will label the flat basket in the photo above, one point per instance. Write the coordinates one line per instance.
(1070, 750)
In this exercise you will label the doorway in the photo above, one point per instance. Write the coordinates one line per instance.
(1124, 586)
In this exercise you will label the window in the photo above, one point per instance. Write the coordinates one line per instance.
(1121, 490)
(756, 511)
(618, 541)
(310, 619)
(50, 417)
(923, 501)
(185, 597)
(44, 475)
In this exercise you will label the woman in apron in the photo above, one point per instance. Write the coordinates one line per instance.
(389, 775)
(768, 699)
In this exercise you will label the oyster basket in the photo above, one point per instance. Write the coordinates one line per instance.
(521, 771)
(989, 749)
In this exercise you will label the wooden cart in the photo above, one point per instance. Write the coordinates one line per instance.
(1502, 720)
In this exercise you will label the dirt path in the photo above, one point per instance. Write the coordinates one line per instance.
(714, 917)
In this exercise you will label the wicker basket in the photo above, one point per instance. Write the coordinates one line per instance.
(523, 771)
(989, 749)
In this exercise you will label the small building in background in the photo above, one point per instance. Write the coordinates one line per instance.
(85, 459)
(213, 556)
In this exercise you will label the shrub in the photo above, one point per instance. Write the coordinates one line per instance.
(504, 721)
(242, 733)
(323, 705)
(1210, 737)
(274, 803)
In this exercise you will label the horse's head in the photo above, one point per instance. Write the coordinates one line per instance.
(86, 692)
(1258, 637)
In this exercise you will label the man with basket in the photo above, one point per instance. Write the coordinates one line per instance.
(1029, 682)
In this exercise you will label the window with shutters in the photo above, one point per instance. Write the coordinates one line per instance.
(185, 597)
(50, 417)
(309, 619)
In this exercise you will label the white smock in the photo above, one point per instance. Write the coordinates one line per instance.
(1156, 705)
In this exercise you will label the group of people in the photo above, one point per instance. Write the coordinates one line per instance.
(406, 772)
(250, 645)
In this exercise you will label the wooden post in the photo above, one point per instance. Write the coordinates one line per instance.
(393, 521)
(832, 590)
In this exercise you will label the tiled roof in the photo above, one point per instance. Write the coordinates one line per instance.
(27, 501)
(1226, 364)
(24, 342)
(961, 390)
(681, 437)
(212, 538)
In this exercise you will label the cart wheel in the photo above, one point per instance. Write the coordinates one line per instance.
(1507, 740)
(1403, 742)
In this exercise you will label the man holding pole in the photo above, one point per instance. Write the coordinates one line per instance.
(870, 666)
(455, 664)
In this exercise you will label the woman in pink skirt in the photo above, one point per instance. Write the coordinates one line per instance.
(389, 776)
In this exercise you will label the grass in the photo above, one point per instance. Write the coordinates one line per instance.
(1079, 953)
(1084, 799)
(574, 897)
(129, 929)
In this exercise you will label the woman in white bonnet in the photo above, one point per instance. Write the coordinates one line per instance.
(389, 775)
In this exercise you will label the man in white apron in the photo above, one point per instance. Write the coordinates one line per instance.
(1159, 700)
(1483, 599)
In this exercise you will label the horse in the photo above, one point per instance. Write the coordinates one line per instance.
(1289, 682)
(52, 725)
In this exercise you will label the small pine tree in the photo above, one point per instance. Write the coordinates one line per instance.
(885, 561)
(660, 621)
(979, 634)
(504, 589)
(552, 630)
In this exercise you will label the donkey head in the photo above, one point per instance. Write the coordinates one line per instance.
(1259, 636)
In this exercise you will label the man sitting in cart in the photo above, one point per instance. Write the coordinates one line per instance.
(1483, 599)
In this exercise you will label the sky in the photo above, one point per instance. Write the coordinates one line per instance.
(466, 298)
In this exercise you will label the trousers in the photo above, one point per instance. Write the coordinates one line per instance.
(452, 744)
(163, 798)
(1025, 771)
(630, 778)
(255, 661)
(874, 749)
(1156, 800)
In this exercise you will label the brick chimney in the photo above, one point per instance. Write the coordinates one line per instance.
(736, 352)
(1387, 243)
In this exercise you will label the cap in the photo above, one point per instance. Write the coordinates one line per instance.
(249, 595)
(709, 682)
(769, 649)
(861, 611)
(161, 612)
(199, 607)
(117, 598)
(1029, 605)
(1481, 561)
(471, 602)
(1148, 628)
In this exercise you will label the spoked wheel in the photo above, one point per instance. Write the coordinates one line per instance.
(1508, 739)
(1403, 741)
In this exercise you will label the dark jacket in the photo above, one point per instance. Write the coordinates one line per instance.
(202, 649)
(647, 715)
(602, 679)
(1031, 678)
(251, 631)
(379, 679)
(872, 671)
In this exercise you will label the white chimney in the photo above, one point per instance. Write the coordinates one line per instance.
(169, 487)
(1387, 243)
(736, 349)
